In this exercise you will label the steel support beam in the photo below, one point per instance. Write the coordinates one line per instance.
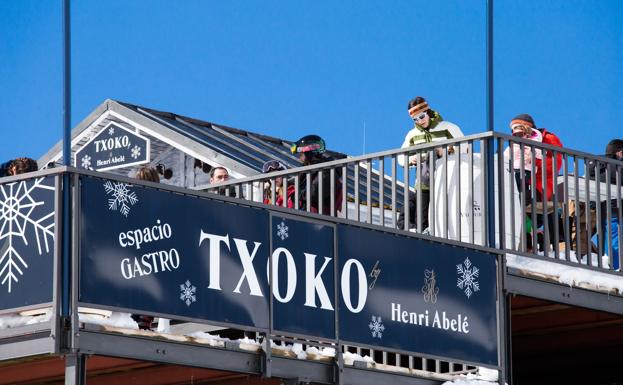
(169, 352)
(303, 371)
(354, 376)
(75, 369)
(293, 371)
(32, 345)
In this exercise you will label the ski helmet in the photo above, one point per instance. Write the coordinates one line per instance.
(309, 144)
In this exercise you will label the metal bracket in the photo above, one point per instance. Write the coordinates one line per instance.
(339, 367)
(267, 359)
(64, 335)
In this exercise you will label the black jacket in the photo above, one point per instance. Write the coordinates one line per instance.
(326, 188)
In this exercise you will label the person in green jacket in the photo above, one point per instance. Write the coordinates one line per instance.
(429, 127)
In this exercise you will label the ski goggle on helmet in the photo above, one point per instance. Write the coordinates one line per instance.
(309, 143)
(272, 165)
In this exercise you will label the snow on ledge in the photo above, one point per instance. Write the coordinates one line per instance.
(484, 376)
(296, 351)
(115, 320)
(8, 321)
(469, 381)
(568, 275)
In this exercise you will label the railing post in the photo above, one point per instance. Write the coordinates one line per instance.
(66, 205)
(490, 140)
(490, 189)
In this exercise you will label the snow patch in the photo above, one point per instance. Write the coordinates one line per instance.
(210, 339)
(248, 344)
(324, 354)
(116, 320)
(350, 358)
(568, 275)
(484, 376)
(8, 321)
(465, 381)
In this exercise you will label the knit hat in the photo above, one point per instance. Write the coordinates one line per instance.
(523, 119)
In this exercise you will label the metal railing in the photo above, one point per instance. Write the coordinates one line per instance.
(548, 201)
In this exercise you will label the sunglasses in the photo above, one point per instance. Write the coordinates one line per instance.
(272, 165)
(420, 117)
(519, 130)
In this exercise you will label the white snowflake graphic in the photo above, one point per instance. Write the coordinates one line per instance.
(135, 152)
(467, 277)
(188, 293)
(111, 131)
(16, 209)
(122, 198)
(282, 230)
(85, 162)
(376, 327)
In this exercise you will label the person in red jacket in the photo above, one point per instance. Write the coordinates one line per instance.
(543, 193)
(548, 138)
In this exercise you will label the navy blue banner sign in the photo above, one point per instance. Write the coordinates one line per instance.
(27, 225)
(415, 295)
(148, 250)
(303, 264)
(113, 147)
(161, 252)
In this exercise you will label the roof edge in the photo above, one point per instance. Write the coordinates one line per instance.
(86, 122)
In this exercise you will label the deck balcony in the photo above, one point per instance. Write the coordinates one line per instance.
(557, 247)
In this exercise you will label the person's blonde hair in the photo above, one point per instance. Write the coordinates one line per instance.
(147, 173)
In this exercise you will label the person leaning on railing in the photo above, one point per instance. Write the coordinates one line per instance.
(428, 127)
(311, 150)
(525, 123)
(514, 151)
(523, 169)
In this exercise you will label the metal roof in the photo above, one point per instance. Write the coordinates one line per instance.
(241, 151)
(252, 149)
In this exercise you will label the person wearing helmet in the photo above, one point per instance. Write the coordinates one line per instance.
(311, 150)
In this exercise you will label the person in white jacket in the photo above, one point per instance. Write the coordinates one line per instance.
(429, 127)
(514, 152)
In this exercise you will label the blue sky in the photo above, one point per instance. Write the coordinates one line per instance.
(291, 68)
